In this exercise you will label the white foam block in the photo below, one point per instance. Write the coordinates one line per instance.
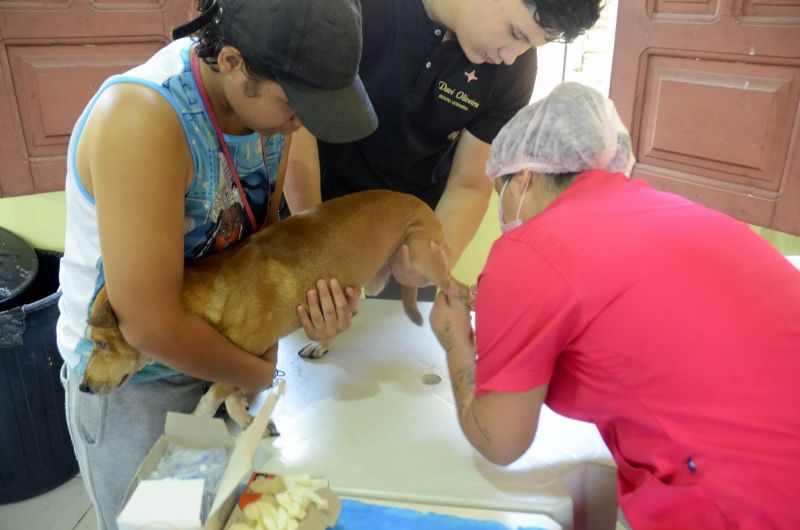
(163, 504)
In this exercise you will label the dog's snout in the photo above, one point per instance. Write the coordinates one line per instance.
(83, 387)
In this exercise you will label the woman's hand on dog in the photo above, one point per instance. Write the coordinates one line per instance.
(451, 321)
(330, 310)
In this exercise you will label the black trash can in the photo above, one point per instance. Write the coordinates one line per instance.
(36, 452)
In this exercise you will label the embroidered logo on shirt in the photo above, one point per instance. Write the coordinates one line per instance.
(471, 76)
(457, 98)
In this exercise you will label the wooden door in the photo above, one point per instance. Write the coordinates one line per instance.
(710, 90)
(54, 54)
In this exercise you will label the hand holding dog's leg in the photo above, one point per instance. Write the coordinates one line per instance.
(450, 319)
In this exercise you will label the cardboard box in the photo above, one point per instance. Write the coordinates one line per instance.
(176, 504)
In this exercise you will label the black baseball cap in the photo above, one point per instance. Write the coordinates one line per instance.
(312, 47)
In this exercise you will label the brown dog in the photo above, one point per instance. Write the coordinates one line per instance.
(350, 238)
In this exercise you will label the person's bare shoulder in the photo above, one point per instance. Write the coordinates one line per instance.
(130, 121)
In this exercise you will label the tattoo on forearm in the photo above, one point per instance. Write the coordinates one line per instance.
(464, 390)
(464, 380)
(446, 339)
(481, 428)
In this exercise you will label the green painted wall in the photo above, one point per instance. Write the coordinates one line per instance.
(474, 256)
(787, 244)
(39, 219)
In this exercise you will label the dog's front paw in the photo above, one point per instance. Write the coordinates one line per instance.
(239, 409)
(313, 350)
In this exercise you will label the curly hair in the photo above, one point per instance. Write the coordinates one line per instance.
(209, 38)
(210, 42)
(565, 18)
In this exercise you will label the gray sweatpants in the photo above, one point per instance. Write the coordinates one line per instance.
(112, 433)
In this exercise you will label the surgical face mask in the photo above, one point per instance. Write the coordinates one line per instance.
(505, 227)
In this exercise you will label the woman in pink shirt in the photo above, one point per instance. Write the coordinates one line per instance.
(672, 327)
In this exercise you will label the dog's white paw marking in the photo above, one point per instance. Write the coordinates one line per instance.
(313, 350)
(238, 409)
(207, 406)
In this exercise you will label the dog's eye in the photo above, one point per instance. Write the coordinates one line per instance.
(101, 344)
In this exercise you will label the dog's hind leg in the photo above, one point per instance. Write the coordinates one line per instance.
(377, 283)
(431, 263)
(430, 259)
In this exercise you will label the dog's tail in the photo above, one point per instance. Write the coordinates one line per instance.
(410, 305)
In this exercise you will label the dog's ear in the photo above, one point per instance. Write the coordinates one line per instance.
(102, 315)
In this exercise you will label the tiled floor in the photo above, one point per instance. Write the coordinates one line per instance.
(64, 508)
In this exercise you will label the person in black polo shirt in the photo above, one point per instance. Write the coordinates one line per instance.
(444, 76)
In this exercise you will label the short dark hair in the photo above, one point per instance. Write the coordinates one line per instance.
(565, 18)
(210, 42)
(557, 181)
(561, 181)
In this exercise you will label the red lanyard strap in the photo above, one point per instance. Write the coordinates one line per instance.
(195, 65)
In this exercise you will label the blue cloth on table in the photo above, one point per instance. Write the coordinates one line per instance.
(357, 515)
